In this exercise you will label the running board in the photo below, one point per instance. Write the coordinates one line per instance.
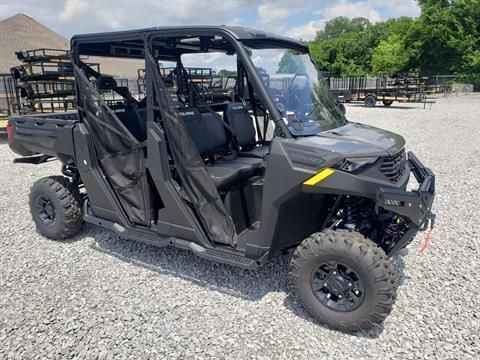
(141, 235)
(146, 236)
(226, 257)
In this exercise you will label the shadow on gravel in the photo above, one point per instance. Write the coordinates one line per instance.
(229, 280)
(295, 308)
(3, 139)
(249, 285)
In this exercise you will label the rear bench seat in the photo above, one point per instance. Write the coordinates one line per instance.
(239, 118)
(210, 138)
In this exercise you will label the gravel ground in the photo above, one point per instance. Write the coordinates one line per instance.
(100, 296)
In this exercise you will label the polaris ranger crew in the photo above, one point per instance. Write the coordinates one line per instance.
(276, 166)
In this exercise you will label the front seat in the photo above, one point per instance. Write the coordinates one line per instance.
(210, 138)
(239, 118)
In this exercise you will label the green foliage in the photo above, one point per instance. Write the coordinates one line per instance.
(444, 39)
(227, 73)
(389, 56)
(287, 64)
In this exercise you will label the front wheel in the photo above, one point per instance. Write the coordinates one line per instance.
(343, 280)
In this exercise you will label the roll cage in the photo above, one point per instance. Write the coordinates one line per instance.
(170, 43)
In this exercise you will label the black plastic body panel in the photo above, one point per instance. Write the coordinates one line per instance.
(415, 205)
(102, 203)
(49, 134)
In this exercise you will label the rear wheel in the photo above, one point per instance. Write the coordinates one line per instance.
(343, 280)
(387, 102)
(55, 207)
(370, 101)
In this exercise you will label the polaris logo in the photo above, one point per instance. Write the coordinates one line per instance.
(391, 202)
(237, 107)
(186, 113)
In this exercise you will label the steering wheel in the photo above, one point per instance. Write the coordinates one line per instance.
(298, 73)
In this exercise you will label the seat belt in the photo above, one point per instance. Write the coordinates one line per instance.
(254, 108)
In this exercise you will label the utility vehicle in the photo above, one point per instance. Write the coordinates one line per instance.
(276, 167)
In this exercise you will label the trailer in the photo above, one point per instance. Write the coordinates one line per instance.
(44, 82)
(7, 102)
(370, 91)
(212, 87)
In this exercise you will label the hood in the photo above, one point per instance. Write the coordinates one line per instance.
(355, 139)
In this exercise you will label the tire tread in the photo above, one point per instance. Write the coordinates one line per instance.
(69, 200)
(345, 241)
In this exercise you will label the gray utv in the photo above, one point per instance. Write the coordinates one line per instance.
(269, 166)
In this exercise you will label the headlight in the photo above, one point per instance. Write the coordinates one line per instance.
(356, 164)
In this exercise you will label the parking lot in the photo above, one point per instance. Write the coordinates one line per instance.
(98, 295)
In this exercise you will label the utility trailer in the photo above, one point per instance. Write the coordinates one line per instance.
(7, 100)
(212, 87)
(412, 89)
(45, 82)
(201, 176)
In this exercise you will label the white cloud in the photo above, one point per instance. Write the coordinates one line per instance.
(273, 12)
(398, 8)
(141, 14)
(351, 10)
(306, 31)
(73, 8)
(70, 17)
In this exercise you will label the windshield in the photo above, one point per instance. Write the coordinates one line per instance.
(299, 92)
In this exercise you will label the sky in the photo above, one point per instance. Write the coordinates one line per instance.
(299, 19)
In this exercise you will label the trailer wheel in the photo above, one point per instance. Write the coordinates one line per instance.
(370, 101)
(387, 102)
(343, 280)
(56, 207)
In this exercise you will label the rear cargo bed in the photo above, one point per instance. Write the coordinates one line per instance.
(49, 134)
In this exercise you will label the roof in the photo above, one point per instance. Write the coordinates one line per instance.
(21, 32)
(238, 32)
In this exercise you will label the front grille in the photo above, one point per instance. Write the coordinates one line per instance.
(393, 167)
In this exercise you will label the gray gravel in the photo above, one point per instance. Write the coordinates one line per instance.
(100, 296)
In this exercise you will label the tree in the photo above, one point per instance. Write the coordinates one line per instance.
(389, 56)
(444, 39)
(288, 64)
(344, 46)
(226, 73)
(445, 34)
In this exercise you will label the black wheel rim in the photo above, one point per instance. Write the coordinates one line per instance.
(337, 286)
(46, 210)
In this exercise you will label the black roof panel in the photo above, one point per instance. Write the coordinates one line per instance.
(238, 32)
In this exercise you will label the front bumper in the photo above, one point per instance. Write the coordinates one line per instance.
(414, 205)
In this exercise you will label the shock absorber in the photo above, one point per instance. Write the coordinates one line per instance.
(392, 232)
(349, 215)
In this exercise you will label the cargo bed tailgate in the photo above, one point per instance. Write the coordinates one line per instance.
(49, 134)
